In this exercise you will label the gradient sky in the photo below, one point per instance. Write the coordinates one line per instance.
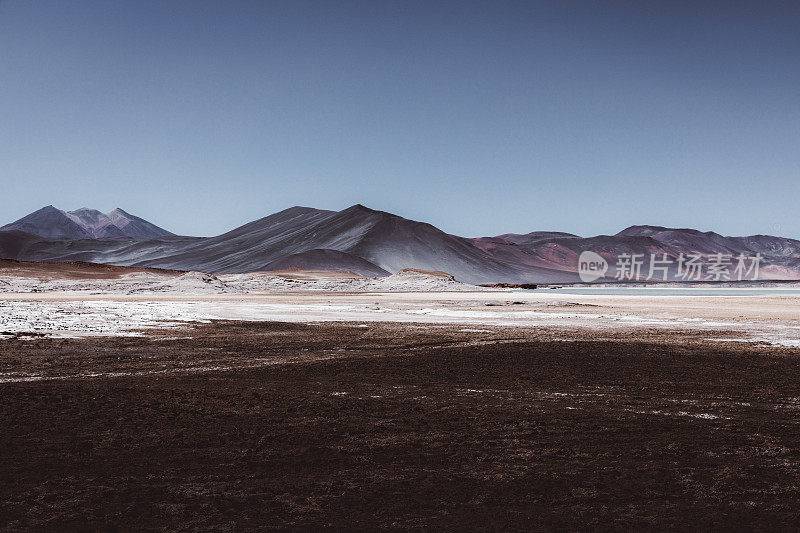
(478, 117)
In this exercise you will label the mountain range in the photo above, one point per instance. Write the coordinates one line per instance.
(85, 223)
(369, 242)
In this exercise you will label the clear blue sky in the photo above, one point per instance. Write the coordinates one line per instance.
(479, 117)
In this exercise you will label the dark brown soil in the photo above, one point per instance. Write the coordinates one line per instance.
(256, 426)
(75, 270)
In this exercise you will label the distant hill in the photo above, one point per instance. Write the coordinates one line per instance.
(780, 256)
(85, 223)
(368, 242)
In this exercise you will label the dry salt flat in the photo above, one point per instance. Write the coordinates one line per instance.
(135, 302)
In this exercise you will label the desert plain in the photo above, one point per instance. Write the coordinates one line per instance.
(301, 400)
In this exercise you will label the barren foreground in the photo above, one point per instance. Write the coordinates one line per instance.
(233, 425)
(160, 400)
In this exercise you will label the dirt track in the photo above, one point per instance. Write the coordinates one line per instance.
(254, 425)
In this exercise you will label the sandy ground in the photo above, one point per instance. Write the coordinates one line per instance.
(76, 299)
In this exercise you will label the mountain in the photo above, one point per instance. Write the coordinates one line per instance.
(95, 223)
(683, 239)
(534, 237)
(385, 240)
(52, 223)
(135, 227)
(561, 252)
(371, 242)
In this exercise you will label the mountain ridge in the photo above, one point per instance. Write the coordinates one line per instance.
(369, 241)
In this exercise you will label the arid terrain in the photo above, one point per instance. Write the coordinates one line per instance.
(232, 425)
(161, 400)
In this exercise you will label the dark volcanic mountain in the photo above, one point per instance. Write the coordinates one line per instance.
(366, 241)
(50, 223)
(85, 223)
(387, 241)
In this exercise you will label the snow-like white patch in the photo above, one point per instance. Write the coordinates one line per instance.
(15, 377)
(701, 416)
(69, 319)
(705, 416)
(774, 341)
(202, 283)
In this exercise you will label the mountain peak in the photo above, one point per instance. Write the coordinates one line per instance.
(649, 231)
(50, 223)
(359, 207)
(85, 223)
(641, 229)
(362, 210)
(299, 209)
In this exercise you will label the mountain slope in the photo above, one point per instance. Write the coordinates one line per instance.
(249, 247)
(321, 259)
(388, 241)
(394, 243)
(14, 243)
